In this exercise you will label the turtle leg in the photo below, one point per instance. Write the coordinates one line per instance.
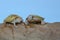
(14, 23)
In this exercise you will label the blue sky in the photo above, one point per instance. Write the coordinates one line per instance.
(49, 9)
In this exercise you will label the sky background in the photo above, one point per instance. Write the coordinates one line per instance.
(49, 9)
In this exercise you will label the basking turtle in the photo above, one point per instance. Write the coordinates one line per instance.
(35, 19)
(13, 19)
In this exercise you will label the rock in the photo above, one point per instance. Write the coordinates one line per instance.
(12, 33)
(49, 31)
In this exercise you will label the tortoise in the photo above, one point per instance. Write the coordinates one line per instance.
(13, 19)
(35, 19)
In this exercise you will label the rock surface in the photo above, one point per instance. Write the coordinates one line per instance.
(49, 31)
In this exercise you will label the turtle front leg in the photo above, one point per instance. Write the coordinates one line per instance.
(14, 23)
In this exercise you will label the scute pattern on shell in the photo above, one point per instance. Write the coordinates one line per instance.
(12, 17)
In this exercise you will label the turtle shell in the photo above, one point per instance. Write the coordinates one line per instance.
(11, 18)
(34, 18)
